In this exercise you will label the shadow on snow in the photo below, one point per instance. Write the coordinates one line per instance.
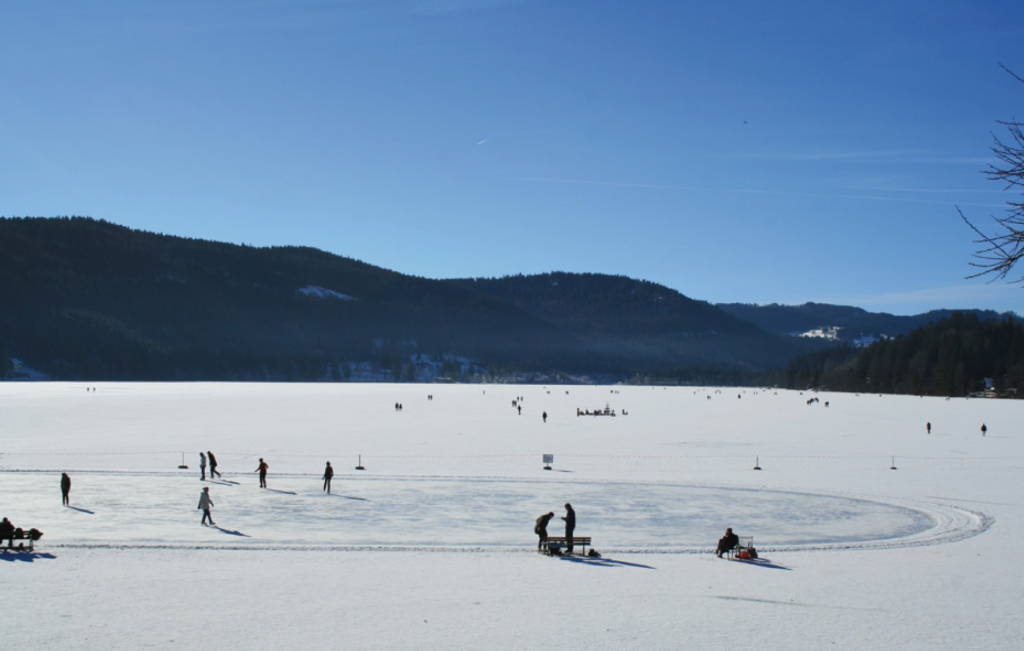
(603, 562)
(348, 497)
(27, 557)
(762, 562)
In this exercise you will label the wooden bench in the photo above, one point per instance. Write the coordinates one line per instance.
(23, 541)
(577, 541)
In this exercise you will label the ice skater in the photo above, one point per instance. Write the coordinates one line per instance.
(570, 526)
(984, 429)
(541, 528)
(213, 465)
(65, 489)
(262, 469)
(205, 503)
(328, 476)
(202, 467)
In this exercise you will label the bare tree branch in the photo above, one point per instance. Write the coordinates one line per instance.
(1001, 250)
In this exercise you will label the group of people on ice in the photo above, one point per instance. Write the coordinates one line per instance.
(541, 527)
(10, 533)
(206, 502)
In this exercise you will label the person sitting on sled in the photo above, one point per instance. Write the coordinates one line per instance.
(727, 542)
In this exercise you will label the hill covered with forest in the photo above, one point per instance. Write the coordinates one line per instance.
(956, 356)
(82, 299)
(850, 324)
(87, 299)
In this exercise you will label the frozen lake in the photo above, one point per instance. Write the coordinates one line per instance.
(432, 546)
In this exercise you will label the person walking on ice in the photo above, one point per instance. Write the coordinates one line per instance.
(202, 467)
(205, 503)
(541, 528)
(65, 489)
(213, 465)
(262, 469)
(328, 476)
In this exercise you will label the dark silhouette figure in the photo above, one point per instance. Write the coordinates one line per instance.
(544, 416)
(262, 469)
(328, 476)
(570, 526)
(983, 429)
(213, 464)
(202, 467)
(7, 531)
(541, 528)
(727, 542)
(65, 489)
(205, 503)
(929, 427)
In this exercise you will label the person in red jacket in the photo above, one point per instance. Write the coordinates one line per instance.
(213, 464)
(262, 469)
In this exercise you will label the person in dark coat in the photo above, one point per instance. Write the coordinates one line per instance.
(570, 525)
(7, 531)
(202, 467)
(727, 542)
(65, 489)
(328, 476)
(213, 464)
(205, 503)
(541, 528)
(262, 469)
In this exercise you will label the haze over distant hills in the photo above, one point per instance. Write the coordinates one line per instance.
(86, 299)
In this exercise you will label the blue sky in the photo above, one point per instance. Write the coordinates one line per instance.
(735, 151)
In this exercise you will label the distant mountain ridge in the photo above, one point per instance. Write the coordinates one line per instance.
(855, 323)
(84, 299)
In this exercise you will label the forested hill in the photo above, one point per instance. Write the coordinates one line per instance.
(952, 357)
(86, 299)
(611, 304)
(622, 319)
(854, 323)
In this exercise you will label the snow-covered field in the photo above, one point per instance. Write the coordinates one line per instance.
(431, 546)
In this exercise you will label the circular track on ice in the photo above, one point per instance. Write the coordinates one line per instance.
(490, 513)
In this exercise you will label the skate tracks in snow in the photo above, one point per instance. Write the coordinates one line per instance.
(466, 514)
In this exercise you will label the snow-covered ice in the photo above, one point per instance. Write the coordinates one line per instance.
(431, 546)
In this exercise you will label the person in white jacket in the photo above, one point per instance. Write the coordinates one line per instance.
(205, 503)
